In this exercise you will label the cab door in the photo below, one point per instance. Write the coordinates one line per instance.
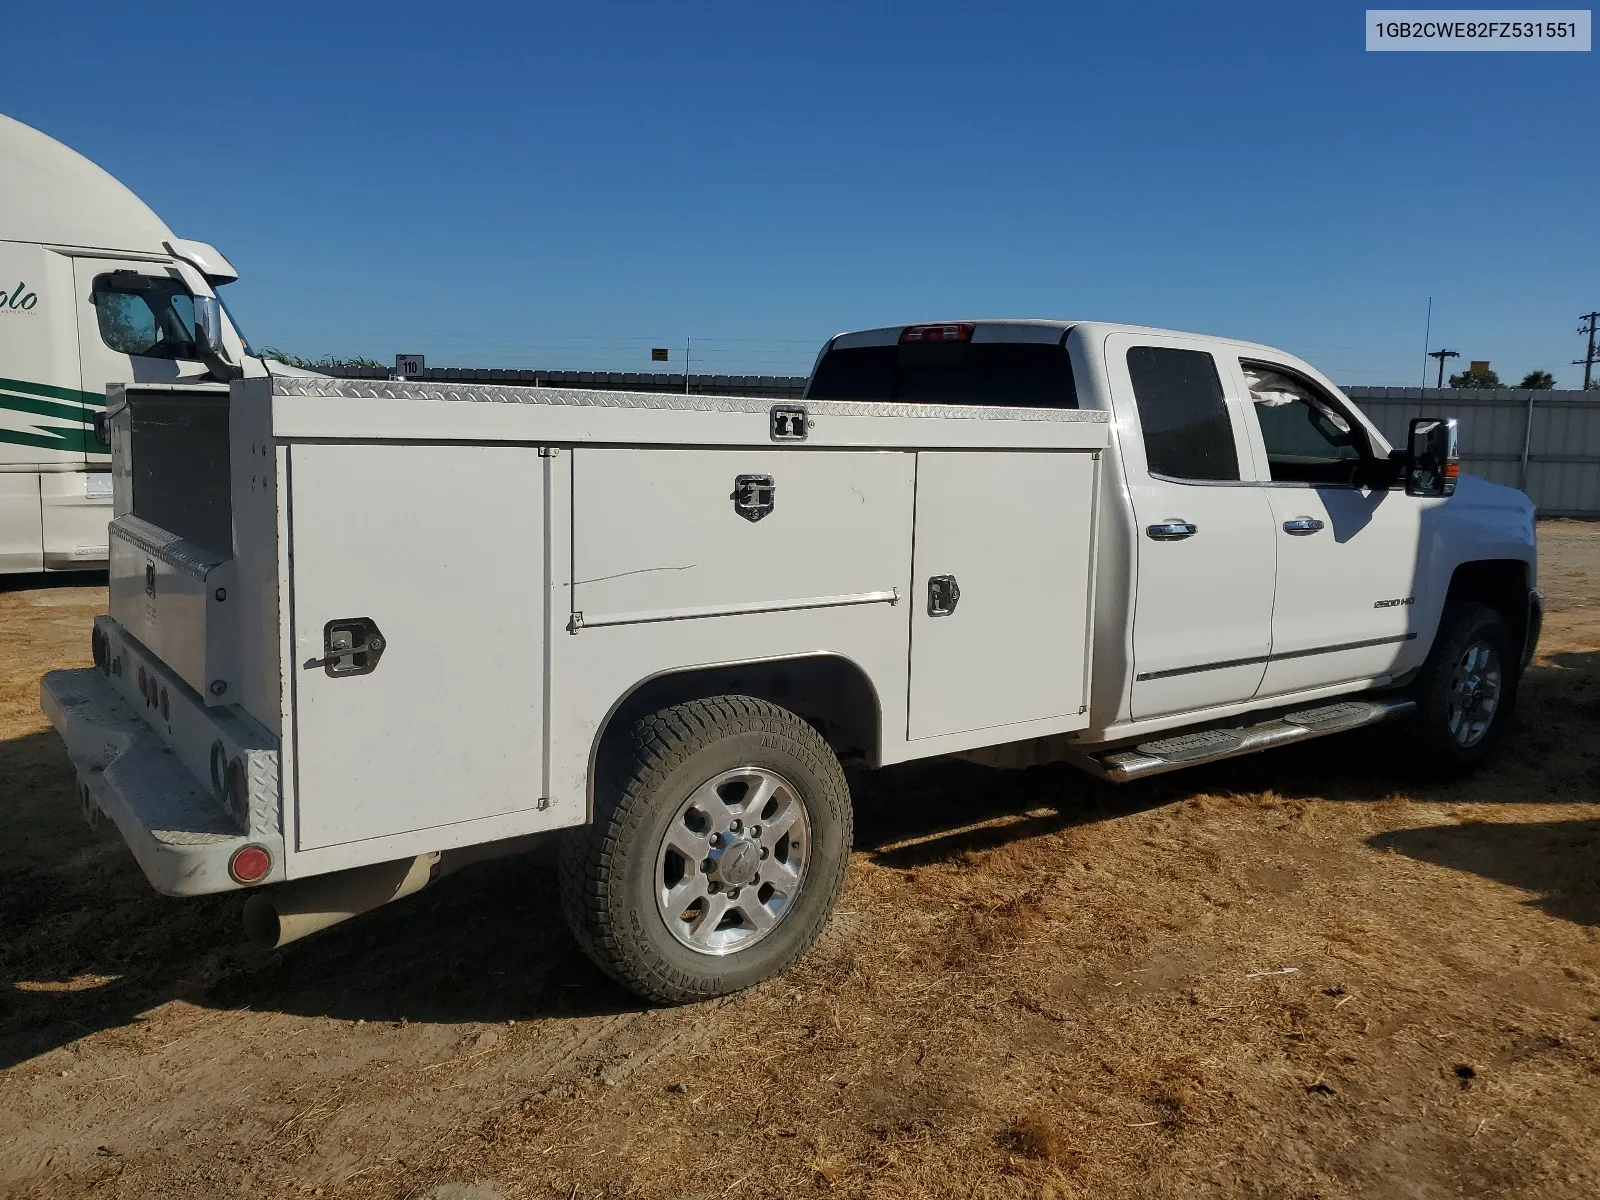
(1205, 556)
(41, 414)
(1351, 581)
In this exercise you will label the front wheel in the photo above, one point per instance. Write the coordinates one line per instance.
(1466, 689)
(720, 838)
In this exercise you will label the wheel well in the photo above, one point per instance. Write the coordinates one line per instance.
(830, 693)
(1502, 584)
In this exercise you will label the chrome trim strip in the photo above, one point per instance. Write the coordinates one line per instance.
(585, 621)
(1272, 658)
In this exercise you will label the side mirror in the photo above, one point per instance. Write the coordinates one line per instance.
(1433, 459)
(208, 339)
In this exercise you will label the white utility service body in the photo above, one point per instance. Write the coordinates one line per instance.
(94, 290)
(365, 626)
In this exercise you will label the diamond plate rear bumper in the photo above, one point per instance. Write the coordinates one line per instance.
(180, 833)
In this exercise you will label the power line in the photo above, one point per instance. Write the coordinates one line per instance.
(1441, 355)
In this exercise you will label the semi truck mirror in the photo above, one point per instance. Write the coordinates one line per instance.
(208, 339)
(1433, 458)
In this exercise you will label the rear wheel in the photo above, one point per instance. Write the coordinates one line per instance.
(719, 842)
(1466, 689)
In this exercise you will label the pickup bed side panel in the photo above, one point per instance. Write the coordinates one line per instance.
(675, 564)
(1014, 533)
(668, 534)
(442, 549)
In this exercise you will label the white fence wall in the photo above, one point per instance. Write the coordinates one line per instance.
(1546, 443)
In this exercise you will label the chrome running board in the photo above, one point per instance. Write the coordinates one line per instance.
(1212, 745)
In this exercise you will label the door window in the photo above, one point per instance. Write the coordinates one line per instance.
(148, 315)
(1308, 439)
(1187, 433)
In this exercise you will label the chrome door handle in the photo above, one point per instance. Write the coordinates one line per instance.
(1301, 526)
(1173, 531)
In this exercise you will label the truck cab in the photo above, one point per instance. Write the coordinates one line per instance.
(1258, 544)
(97, 291)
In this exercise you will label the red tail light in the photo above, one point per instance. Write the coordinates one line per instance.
(958, 332)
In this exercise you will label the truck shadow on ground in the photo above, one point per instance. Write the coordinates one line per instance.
(1558, 859)
(86, 946)
(39, 580)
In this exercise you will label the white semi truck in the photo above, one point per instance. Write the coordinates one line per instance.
(96, 290)
(362, 632)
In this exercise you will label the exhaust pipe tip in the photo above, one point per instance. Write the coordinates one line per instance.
(261, 924)
(287, 912)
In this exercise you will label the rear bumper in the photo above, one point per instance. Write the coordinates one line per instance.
(181, 831)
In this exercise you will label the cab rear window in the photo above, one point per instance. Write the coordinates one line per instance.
(1000, 374)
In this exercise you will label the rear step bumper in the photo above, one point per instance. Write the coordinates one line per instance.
(181, 834)
(1212, 745)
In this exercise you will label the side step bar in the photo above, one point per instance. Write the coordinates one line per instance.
(1212, 745)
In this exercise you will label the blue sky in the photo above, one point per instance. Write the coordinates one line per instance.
(522, 185)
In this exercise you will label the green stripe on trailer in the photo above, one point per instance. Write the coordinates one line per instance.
(45, 408)
(44, 400)
(74, 441)
(55, 393)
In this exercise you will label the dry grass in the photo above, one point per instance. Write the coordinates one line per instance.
(1035, 988)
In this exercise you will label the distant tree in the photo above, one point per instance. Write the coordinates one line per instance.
(1539, 381)
(1476, 379)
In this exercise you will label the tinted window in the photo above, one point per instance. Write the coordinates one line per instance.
(178, 448)
(1187, 434)
(148, 315)
(1004, 374)
(1308, 439)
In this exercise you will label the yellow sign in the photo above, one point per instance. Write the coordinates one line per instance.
(1478, 368)
(658, 354)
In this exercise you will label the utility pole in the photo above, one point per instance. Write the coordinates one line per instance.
(1441, 355)
(1427, 333)
(1589, 359)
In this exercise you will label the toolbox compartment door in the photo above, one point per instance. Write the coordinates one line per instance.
(441, 549)
(1000, 589)
(673, 534)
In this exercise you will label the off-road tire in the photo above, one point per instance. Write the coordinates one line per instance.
(608, 867)
(1461, 624)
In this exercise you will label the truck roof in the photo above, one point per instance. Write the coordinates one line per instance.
(56, 196)
(1026, 329)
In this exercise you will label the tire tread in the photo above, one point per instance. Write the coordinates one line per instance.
(623, 795)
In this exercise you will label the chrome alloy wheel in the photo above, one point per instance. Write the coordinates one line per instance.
(1474, 694)
(733, 860)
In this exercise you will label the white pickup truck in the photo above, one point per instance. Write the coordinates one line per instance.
(363, 632)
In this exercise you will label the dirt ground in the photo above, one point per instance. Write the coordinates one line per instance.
(1303, 974)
